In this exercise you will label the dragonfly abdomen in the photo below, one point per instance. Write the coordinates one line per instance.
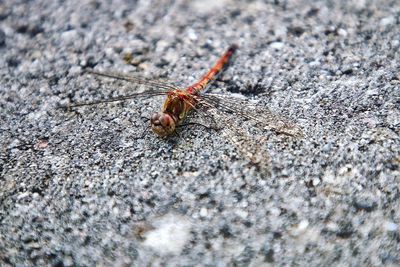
(213, 72)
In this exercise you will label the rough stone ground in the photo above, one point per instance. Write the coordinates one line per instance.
(85, 188)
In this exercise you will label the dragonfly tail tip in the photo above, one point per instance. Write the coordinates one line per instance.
(233, 47)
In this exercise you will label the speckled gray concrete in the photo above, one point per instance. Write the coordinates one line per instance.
(83, 188)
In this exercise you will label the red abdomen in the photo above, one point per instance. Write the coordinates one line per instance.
(213, 72)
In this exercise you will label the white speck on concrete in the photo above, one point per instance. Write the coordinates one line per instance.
(75, 70)
(390, 226)
(241, 213)
(300, 228)
(192, 34)
(203, 212)
(23, 195)
(316, 181)
(342, 32)
(315, 63)
(387, 21)
(277, 45)
(170, 235)
(69, 36)
(208, 5)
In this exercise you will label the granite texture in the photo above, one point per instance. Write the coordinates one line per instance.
(93, 186)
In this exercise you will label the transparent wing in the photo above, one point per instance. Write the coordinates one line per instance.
(162, 88)
(119, 98)
(248, 146)
(167, 85)
(263, 117)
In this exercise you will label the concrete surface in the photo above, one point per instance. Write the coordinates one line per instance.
(86, 188)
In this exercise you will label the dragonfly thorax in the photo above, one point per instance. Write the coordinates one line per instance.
(163, 124)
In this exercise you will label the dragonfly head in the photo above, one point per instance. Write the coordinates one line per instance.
(162, 124)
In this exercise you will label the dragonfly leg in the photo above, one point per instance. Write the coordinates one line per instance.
(177, 134)
(145, 118)
(199, 124)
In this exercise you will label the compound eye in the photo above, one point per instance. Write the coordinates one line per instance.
(165, 120)
(155, 118)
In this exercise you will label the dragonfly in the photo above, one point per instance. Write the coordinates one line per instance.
(219, 108)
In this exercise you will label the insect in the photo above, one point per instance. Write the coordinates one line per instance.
(218, 108)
